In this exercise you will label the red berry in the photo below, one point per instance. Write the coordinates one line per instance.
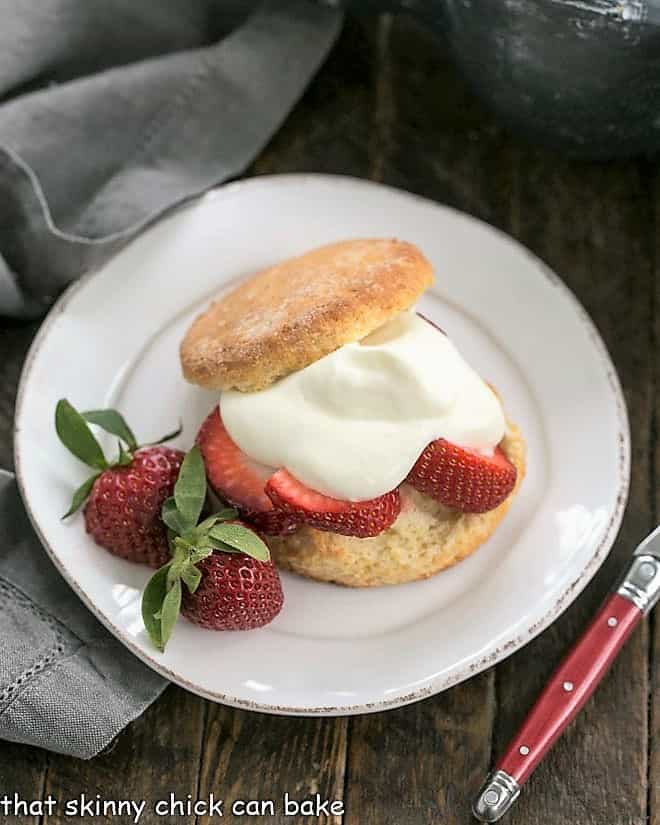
(122, 513)
(239, 480)
(236, 592)
(463, 479)
(349, 518)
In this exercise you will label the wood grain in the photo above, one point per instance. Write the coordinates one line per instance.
(251, 756)
(15, 340)
(22, 772)
(592, 224)
(654, 662)
(329, 130)
(157, 755)
(421, 763)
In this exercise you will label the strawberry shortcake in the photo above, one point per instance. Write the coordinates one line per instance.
(349, 429)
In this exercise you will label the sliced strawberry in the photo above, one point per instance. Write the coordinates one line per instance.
(350, 518)
(463, 479)
(239, 480)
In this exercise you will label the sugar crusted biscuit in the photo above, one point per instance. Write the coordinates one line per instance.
(425, 539)
(286, 317)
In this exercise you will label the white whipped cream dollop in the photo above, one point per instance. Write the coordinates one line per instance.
(352, 424)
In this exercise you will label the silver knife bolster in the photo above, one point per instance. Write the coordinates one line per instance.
(641, 582)
(497, 795)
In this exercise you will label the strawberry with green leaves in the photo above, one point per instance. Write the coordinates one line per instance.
(123, 497)
(220, 575)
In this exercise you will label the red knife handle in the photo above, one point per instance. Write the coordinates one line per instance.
(570, 686)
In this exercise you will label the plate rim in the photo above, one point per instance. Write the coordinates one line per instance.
(435, 685)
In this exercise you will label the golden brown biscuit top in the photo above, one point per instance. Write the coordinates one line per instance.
(284, 318)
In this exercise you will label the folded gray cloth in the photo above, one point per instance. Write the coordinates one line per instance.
(66, 684)
(123, 118)
(111, 112)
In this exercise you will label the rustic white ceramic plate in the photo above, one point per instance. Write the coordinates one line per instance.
(112, 340)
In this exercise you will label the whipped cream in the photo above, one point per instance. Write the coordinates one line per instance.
(353, 424)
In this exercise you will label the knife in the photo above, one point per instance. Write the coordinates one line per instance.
(574, 681)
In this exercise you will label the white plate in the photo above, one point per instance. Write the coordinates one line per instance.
(112, 340)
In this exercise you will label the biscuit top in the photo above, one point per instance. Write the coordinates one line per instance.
(286, 317)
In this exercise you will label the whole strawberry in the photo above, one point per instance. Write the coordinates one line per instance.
(122, 512)
(236, 592)
(125, 497)
(219, 576)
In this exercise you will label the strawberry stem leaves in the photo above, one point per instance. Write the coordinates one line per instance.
(172, 517)
(152, 601)
(190, 543)
(123, 458)
(190, 488)
(170, 611)
(74, 432)
(191, 577)
(112, 422)
(241, 539)
(80, 495)
(174, 434)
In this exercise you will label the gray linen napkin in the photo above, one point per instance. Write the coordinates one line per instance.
(133, 119)
(66, 684)
(112, 112)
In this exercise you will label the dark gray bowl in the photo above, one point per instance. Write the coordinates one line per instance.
(580, 74)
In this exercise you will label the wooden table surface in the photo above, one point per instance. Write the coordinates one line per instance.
(389, 106)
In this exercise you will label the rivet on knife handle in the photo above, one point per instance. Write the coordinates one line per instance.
(574, 681)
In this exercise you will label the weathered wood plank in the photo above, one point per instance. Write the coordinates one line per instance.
(22, 773)
(251, 756)
(423, 763)
(15, 340)
(329, 130)
(433, 137)
(592, 224)
(654, 670)
(157, 755)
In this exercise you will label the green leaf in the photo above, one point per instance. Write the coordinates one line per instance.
(190, 488)
(227, 514)
(112, 422)
(170, 611)
(75, 434)
(191, 577)
(199, 553)
(174, 572)
(201, 542)
(171, 516)
(216, 544)
(152, 603)
(167, 437)
(123, 458)
(241, 538)
(81, 494)
(199, 536)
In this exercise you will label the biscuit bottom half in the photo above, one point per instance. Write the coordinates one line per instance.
(425, 539)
